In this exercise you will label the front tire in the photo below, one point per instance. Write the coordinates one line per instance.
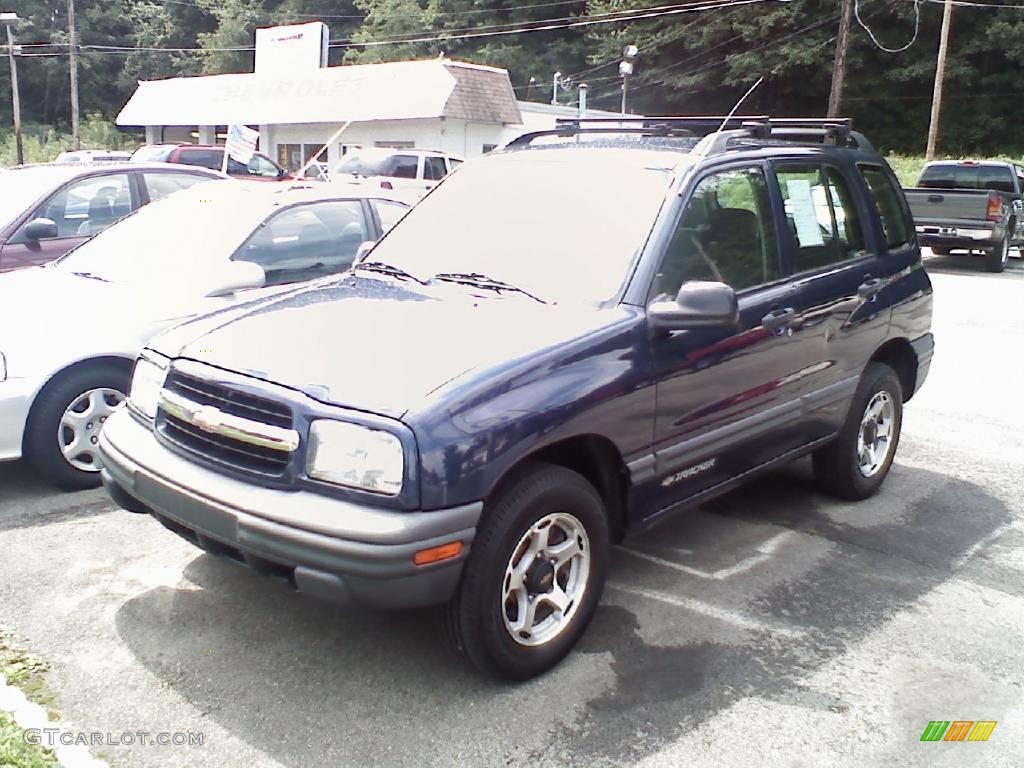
(995, 260)
(534, 576)
(61, 437)
(854, 466)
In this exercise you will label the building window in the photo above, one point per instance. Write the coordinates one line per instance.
(395, 144)
(489, 148)
(294, 156)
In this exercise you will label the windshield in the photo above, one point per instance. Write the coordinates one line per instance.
(173, 237)
(19, 190)
(562, 224)
(949, 176)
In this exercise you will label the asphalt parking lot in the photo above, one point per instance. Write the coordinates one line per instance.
(772, 627)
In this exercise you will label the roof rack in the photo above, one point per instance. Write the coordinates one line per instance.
(719, 132)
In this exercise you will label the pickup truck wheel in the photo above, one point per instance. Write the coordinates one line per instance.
(855, 464)
(63, 428)
(534, 576)
(995, 260)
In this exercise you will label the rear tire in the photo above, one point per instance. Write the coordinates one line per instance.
(995, 259)
(544, 539)
(70, 411)
(854, 466)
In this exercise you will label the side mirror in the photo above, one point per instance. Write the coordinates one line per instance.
(41, 229)
(364, 248)
(697, 305)
(237, 276)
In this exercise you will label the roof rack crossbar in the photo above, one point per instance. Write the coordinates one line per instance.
(836, 131)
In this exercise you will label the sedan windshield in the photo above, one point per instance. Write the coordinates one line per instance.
(558, 224)
(171, 238)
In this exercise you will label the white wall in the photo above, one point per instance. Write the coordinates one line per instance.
(456, 137)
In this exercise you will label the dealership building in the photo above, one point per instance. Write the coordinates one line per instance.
(299, 105)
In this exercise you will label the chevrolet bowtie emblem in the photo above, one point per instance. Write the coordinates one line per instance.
(207, 418)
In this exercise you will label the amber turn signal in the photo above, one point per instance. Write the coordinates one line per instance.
(436, 554)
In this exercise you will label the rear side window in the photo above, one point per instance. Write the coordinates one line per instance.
(821, 214)
(404, 166)
(204, 158)
(897, 224)
(434, 168)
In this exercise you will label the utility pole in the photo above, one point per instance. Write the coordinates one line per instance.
(835, 96)
(940, 76)
(9, 20)
(73, 60)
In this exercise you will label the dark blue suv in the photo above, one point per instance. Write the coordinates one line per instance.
(566, 341)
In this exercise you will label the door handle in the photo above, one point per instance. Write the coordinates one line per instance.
(870, 288)
(778, 319)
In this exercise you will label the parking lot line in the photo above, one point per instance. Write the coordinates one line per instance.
(711, 611)
(764, 552)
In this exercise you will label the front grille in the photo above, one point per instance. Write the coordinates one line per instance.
(221, 449)
(202, 392)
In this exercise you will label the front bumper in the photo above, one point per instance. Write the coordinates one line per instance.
(16, 397)
(325, 547)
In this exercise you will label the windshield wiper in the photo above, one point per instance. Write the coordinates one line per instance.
(478, 280)
(91, 276)
(387, 269)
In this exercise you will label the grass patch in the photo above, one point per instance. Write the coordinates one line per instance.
(24, 671)
(15, 753)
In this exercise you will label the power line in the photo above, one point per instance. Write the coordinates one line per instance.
(917, 27)
(317, 16)
(540, 26)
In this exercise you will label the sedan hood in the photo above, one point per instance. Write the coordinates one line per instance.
(376, 345)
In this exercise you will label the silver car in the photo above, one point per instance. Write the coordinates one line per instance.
(70, 330)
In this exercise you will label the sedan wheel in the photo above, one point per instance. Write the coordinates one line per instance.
(62, 434)
(80, 426)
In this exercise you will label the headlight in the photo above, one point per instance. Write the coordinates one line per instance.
(354, 456)
(147, 381)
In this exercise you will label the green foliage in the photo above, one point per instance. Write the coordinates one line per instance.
(42, 143)
(689, 63)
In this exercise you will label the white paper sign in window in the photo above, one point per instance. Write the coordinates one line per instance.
(805, 217)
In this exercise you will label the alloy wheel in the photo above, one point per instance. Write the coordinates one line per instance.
(545, 579)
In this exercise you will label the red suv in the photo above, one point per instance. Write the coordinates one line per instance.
(259, 168)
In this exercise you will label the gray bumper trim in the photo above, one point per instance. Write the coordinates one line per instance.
(374, 573)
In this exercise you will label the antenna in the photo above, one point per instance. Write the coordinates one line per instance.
(709, 141)
(738, 104)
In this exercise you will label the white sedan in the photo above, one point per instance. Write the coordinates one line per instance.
(69, 331)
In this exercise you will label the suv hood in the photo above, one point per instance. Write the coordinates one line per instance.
(376, 345)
